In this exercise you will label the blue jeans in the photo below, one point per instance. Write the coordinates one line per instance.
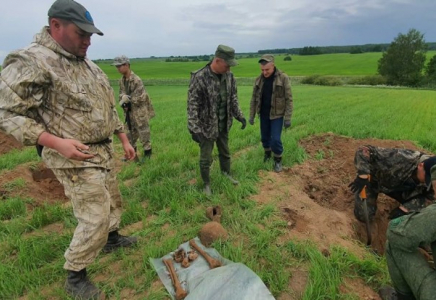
(270, 133)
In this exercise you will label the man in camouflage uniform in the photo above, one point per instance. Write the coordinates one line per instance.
(412, 276)
(398, 173)
(272, 101)
(136, 104)
(212, 105)
(52, 95)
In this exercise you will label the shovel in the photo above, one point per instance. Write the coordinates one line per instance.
(362, 196)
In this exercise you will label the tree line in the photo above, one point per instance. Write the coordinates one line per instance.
(353, 49)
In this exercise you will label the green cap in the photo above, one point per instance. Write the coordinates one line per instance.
(120, 60)
(267, 58)
(227, 53)
(75, 12)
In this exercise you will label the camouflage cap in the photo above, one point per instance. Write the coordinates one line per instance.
(227, 53)
(75, 12)
(430, 171)
(120, 60)
(267, 58)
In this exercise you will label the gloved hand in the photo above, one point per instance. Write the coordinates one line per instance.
(287, 124)
(243, 122)
(358, 184)
(124, 99)
(197, 137)
(396, 213)
(251, 121)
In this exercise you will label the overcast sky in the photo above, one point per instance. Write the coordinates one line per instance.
(143, 28)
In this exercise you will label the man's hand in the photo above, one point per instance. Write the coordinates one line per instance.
(243, 122)
(129, 151)
(358, 184)
(124, 100)
(287, 124)
(251, 121)
(72, 149)
(197, 137)
(68, 148)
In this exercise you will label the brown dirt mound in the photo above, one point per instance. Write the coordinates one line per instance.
(8, 143)
(314, 197)
(315, 200)
(40, 184)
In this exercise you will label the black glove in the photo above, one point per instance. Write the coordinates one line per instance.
(197, 137)
(287, 124)
(243, 122)
(396, 213)
(358, 184)
(127, 106)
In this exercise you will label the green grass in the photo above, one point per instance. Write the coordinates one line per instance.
(14, 158)
(165, 201)
(342, 64)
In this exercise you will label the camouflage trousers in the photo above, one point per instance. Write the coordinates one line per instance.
(96, 202)
(410, 273)
(206, 150)
(140, 129)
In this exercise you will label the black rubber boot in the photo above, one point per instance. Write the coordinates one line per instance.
(147, 153)
(225, 169)
(267, 155)
(232, 180)
(78, 286)
(207, 190)
(204, 172)
(116, 240)
(277, 164)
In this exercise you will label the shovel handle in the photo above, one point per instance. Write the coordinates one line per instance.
(362, 193)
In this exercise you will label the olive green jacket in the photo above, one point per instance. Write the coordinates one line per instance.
(281, 100)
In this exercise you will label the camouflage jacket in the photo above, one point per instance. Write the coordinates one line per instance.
(203, 95)
(281, 100)
(392, 169)
(140, 101)
(44, 88)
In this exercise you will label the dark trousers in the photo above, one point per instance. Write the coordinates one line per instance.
(206, 150)
(270, 133)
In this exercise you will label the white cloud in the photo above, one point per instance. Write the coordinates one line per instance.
(143, 28)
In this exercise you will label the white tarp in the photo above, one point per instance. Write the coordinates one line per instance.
(231, 281)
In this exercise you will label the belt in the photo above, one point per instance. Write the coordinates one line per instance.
(102, 142)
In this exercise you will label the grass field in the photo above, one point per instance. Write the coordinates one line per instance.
(170, 210)
(327, 64)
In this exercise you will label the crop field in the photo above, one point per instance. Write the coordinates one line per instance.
(342, 64)
(164, 205)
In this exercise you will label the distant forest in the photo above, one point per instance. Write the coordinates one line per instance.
(308, 50)
(353, 49)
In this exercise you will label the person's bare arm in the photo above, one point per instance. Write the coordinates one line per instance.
(69, 148)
